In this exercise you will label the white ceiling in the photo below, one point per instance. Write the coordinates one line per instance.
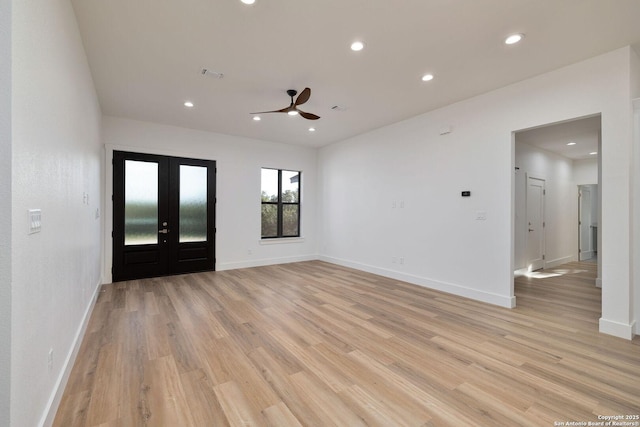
(146, 57)
(583, 133)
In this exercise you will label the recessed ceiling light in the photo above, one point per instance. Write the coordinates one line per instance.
(256, 118)
(514, 38)
(571, 143)
(248, 1)
(357, 46)
(188, 104)
(312, 129)
(427, 77)
(292, 113)
(593, 153)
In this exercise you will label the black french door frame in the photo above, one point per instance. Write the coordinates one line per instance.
(168, 256)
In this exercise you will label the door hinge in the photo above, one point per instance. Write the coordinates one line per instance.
(544, 224)
(579, 251)
(544, 192)
(543, 257)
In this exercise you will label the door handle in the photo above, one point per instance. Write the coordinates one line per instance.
(164, 231)
(531, 229)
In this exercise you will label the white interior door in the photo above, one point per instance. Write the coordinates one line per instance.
(520, 226)
(584, 222)
(535, 223)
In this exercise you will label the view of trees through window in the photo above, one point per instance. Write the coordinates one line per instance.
(280, 203)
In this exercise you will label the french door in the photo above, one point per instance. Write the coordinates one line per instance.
(163, 215)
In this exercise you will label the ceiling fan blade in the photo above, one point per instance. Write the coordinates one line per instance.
(284, 110)
(308, 116)
(304, 96)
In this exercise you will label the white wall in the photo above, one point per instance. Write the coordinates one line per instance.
(5, 210)
(437, 233)
(636, 210)
(635, 94)
(239, 161)
(616, 218)
(396, 193)
(57, 166)
(560, 204)
(585, 171)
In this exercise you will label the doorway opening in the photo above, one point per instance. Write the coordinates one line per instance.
(561, 162)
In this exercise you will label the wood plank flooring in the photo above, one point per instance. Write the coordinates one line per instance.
(314, 344)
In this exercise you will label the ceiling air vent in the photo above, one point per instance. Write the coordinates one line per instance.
(211, 73)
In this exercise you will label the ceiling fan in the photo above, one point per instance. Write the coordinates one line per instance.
(293, 108)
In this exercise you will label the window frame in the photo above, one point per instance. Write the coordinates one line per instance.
(280, 204)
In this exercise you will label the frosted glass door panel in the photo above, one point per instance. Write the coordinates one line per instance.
(140, 203)
(193, 203)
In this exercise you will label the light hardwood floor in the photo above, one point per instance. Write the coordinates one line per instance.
(316, 344)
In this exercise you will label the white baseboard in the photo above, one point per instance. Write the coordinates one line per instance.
(617, 329)
(451, 288)
(558, 261)
(264, 261)
(587, 255)
(54, 401)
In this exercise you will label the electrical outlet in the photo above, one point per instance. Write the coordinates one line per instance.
(401, 260)
(50, 360)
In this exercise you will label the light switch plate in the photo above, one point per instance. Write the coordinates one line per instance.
(35, 220)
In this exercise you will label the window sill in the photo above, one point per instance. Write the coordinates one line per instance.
(282, 240)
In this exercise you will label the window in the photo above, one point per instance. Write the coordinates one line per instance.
(280, 203)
